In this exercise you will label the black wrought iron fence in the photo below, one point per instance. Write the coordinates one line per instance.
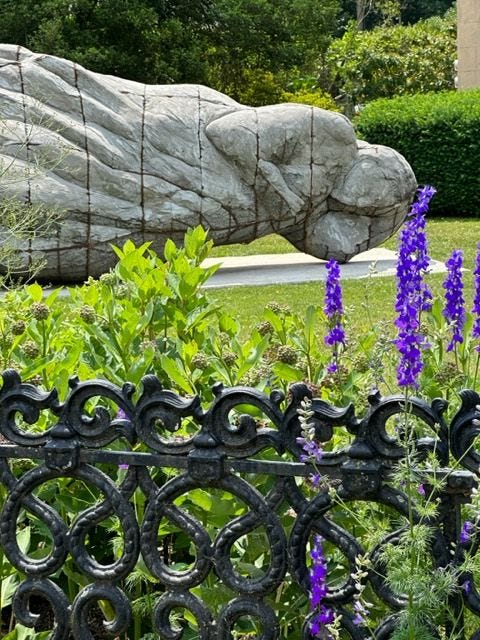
(149, 516)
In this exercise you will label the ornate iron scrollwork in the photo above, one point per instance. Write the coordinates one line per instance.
(241, 450)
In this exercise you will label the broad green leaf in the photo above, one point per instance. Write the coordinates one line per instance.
(8, 587)
(176, 375)
(35, 291)
(170, 250)
(286, 373)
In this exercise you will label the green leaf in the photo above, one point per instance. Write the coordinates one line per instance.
(35, 291)
(274, 320)
(286, 373)
(170, 250)
(228, 324)
(176, 373)
(202, 499)
(23, 539)
(8, 588)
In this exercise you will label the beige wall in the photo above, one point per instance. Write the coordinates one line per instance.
(468, 43)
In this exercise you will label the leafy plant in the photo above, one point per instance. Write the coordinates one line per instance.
(394, 60)
(152, 315)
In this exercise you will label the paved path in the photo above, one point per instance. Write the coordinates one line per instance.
(298, 267)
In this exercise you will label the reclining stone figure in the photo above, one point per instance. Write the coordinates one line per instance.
(145, 162)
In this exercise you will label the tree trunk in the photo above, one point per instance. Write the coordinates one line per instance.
(361, 12)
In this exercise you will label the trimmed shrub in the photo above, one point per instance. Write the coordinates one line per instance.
(314, 98)
(439, 135)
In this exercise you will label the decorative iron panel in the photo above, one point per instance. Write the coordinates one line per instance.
(160, 468)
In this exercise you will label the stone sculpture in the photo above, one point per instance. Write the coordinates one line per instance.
(128, 160)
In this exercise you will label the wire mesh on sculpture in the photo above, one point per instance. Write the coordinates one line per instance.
(122, 492)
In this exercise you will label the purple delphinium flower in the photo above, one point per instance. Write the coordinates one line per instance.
(454, 310)
(317, 625)
(476, 298)
(467, 586)
(318, 590)
(313, 451)
(466, 532)
(361, 613)
(316, 480)
(333, 292)
(421, 489)
(333, 309)
(413, 295)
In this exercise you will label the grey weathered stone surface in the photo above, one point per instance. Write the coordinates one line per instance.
(127, 160)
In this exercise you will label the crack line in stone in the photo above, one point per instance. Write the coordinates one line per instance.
(200, 154)
(142, 161)
(87, 185)
(27, 148)
(257, 165)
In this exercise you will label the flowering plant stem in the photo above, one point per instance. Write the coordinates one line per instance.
(411, 524)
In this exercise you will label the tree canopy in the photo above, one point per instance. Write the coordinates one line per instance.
(252, 50)
(372, 13)
(394, 60)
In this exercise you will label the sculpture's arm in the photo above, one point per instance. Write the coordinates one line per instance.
(253, 148)
(272, 174)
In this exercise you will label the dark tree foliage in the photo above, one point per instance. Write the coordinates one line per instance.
(411, 11)
(241, 47)
(146, 40)
(414, 10)
(228, 44)
(254, 36)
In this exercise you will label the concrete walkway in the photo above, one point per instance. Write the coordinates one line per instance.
(299, 267)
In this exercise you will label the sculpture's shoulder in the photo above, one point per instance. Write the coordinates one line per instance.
(13, 53)
(197, 92)
(162, 97)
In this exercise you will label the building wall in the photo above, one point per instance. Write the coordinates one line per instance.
(468, 69)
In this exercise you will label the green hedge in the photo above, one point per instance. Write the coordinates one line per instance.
(439, 135)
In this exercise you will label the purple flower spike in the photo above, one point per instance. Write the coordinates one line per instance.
(333, 291)
(476, 297)
(335, 336)
(466, 532)
(454, 310)
(317, 625)
(333, 309)
(318, 574)
(413, 295)
(315, 480)
(318, 590)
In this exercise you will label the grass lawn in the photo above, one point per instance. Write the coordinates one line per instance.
(247, 303)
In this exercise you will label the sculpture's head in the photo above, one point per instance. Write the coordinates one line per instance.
(367, 204)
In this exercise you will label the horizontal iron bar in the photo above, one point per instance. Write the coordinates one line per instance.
(143, 459)
(457, 480)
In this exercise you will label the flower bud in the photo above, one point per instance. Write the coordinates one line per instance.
(31, 349)
(40, 310)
